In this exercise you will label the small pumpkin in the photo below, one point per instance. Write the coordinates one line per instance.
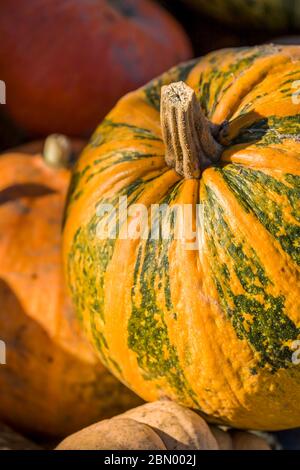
(254, 14)
(214, 327)
(52, 383)
(65, 64)
(162, 425)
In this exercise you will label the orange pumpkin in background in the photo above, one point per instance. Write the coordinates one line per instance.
(52, 383)
(65, 63)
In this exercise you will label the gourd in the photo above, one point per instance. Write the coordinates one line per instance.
(212, 322)
(69, 62)
(162, 425)
(254, 14)
(52, 383)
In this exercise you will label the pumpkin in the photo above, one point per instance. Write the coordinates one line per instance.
(65, 63)
(211, 322)
(162, 425)
(52, 382)
(121, 434)
(254, 14)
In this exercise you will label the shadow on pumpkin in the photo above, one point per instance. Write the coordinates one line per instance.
(24, 190)
(249, 129)
(45, 389)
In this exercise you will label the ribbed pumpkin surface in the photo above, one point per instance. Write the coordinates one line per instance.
(257, 14)
(211, 328)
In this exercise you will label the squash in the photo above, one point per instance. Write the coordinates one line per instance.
(254, 14)
(121, 434)
(213, 322)
(65, 63)
(52, 382)
(155, 426)
(162, 425)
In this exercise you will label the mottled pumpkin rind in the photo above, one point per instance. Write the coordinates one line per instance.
(213, 330)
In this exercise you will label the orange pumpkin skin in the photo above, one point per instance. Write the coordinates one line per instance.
(52, 382)
(214, 327)
(65, 63)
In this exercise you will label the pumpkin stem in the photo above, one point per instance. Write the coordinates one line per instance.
(191, 140)
(57, 150)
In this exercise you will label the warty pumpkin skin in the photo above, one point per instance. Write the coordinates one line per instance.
(66, 62)
(52, 382)
(212, 328)
(253, 14)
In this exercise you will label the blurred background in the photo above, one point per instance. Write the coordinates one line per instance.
(66, 63)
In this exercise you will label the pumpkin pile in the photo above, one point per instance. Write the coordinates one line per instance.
(160, 261)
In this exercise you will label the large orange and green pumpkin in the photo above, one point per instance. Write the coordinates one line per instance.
(66, 62)
(52, 382)
(214, 327)
(256, 14)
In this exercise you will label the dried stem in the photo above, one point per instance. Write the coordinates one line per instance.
(190, 139)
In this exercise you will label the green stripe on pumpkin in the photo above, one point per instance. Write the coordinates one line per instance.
(255, 314)
(147, 330)
(88, 259)
(107, 161)
(110, 130)
(270, 130)
(256, 191)
(215, 82)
